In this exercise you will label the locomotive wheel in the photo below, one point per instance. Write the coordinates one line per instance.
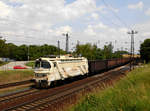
(44, 84)
(37, 85)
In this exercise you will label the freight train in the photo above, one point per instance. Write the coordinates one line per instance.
(48, 70)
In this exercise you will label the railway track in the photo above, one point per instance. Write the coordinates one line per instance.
(51, 98)
(13, 96)
(15, 84)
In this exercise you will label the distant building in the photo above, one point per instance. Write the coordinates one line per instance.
(128, 55)
(6, 59)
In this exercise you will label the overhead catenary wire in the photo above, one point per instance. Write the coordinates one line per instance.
(23, 24)
(114, 13)
(110, 21)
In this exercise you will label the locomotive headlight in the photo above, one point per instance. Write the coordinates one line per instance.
(40, 75)
(44, 75)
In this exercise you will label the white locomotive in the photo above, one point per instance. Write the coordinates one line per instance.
(49, 69)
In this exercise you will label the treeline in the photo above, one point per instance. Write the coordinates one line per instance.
(92, 52)
(145, 50)
(12, 51)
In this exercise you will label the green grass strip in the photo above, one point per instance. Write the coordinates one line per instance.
(30, 64)
(15, 75)
(132, 93)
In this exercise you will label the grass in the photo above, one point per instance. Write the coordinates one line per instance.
(3, 63)
(30, 64)
(132, 93)
(15, 75)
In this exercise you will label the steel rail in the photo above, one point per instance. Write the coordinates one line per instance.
(39, 102)
(19, 94)
(15, 84)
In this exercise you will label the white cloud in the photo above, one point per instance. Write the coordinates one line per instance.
(79, 8)
(52, 11)
(101, 26)
(4, 10)
(44, 22)
(147, 12)
(38, 18)
(95, 16)
(63, 29)
(146, 34)
(138, 6)
(143, 29)
(89, 31)
(105, 32)
(143, 33)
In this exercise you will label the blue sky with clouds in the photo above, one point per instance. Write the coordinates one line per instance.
(40, 22)
(69, 1)
(127, 15)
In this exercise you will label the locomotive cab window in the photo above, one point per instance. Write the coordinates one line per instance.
(45, 64)
(42, 64)
(37, 64)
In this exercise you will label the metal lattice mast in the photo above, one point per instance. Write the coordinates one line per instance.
(132, 47)
(67, 42)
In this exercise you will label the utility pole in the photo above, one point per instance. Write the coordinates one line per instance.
(28, 52)
(59, 47)
(98, 43)
(67, 42)
(78, 42)
(132, 47)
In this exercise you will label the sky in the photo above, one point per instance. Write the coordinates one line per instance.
(97, 22)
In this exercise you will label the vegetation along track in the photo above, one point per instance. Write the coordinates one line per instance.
(54, 98)
(15, 84)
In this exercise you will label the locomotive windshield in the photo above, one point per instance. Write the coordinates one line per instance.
(42, 64)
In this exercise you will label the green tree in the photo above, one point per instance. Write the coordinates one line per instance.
(118, 54)
(10, 51)
(2, 47)
(89, 51)
(22, 52)
(108, 51)
(84, 50)
(145, 50)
